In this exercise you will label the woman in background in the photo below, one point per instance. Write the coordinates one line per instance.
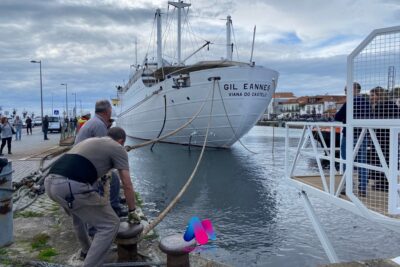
(6, 135)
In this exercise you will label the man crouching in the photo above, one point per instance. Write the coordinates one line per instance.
(71, 183)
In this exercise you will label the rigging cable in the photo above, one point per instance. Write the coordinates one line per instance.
(164, 213)
(234, 39)
(165, 118)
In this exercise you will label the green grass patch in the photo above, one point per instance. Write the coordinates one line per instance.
(46, 254)
(139, 201)
(40, 241)
(151, 237)
(6, 262)
(3, 251)
(27, 214)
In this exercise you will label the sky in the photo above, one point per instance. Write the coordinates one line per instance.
(90, 44)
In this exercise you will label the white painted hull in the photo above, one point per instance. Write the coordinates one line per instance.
(244, 106)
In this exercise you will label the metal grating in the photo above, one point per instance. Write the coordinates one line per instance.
(375, 99)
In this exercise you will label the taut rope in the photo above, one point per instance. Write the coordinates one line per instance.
(164, 213)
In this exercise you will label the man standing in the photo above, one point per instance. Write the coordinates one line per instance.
(72, 188)
(97, 127)
(18, 128)
(28, 122)
(45, 127)
(361, 110)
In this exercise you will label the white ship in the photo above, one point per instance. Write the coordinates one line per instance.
(160, 97)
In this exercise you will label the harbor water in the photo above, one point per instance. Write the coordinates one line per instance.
(259, 219)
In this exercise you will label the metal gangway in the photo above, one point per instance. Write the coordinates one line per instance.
(359, 170)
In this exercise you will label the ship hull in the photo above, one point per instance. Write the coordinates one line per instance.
(238, 95)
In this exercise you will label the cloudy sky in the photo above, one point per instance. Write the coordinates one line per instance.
(90, 44)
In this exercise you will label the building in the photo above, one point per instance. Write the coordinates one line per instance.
(286, 106)
(276, 106)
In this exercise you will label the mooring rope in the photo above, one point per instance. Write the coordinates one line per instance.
(164, 213)
(229, 121)
(164, 121)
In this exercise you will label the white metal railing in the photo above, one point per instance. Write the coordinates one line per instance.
(312, 134)
(376, 164)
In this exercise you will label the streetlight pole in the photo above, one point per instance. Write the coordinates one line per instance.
(80, 102)
(41, 87)
(75, 105)
(66, 97)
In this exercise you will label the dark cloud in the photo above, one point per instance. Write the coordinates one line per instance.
(46, 13)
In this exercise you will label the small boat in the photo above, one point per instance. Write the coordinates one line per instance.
(161, 96)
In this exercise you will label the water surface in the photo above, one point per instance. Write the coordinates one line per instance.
(259, 219)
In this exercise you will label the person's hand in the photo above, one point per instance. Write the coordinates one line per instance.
(133, 217)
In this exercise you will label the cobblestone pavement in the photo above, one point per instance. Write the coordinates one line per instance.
(26, 157)
(31, 145)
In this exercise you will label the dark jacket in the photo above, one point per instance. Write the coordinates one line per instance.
(361, 110)
(386, 110)
(45, 124)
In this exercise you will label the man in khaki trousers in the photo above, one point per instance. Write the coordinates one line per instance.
(70, 183)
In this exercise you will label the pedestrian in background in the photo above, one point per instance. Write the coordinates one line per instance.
(18, 128)
(28, 122)
(45, 127)
(6, 135)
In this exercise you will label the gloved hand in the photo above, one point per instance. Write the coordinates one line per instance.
(133, 217)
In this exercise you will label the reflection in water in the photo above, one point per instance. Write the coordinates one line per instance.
(259, 219)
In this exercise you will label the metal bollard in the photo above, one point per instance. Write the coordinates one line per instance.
(177, 250)
(126, 241)
(6, 201)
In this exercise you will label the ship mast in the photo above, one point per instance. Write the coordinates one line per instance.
(179, 6)
(229, 45)
(159, 52)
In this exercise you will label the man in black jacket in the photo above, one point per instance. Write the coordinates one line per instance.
(382, 108)
(361, 110)
(45, 127)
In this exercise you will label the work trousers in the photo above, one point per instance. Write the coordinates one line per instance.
(361, 158)
(3, 144)
(87, 208)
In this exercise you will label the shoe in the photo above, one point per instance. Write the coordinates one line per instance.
(10, 153)
(82, 256)
(121, 212)
(1, 154)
